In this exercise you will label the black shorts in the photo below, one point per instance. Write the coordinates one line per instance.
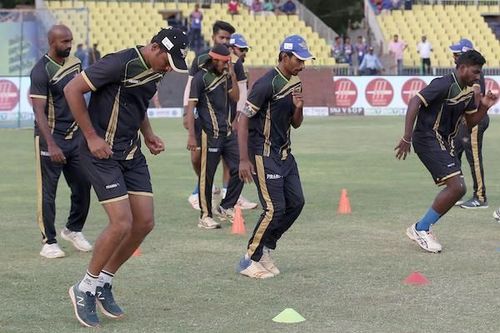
(114, 180)
(441, 164)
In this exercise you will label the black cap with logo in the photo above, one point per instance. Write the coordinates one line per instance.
(175, 42)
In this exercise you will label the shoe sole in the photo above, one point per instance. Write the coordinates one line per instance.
(73, 301)
(247, 207)
(66, 238)
(477, 207)
(53, 257)
(410, 235)
(108, 314)
(260, 276)
(201, 226)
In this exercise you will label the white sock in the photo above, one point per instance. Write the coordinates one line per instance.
(89, 283)
(247, 257)
(105, 277)
(223, 192)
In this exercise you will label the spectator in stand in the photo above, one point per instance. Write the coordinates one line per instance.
(360, 48)
(396, 4)
(277, 6)
(338, 51)
(233, 7)
(268, 7)
(348, 51)
(94, 54)
(386, 6)
(424, 48)
(195, 39)
(396, 49)
(256, 7)
(370, 65)
(289, 8)
(82, 55)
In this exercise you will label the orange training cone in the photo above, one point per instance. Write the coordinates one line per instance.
(344, 204)
(238, 227)
(137, 252)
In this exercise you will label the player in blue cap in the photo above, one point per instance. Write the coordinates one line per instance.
(471, 140)
(274, 105)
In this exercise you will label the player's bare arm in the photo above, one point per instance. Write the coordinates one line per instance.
(486, 102)
(298, 103)
(234, 94)
(246, 167)
(153, 142)
(56, 154)
(404, 146)
(191, 142)
(74, 92)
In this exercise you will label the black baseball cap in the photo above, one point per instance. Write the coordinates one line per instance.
(175, 42)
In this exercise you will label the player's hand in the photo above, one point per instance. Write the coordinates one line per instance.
(489, 99)
(191, 143)
(230, 68)
(403, 149)
(56, 154)
(99, 148)
(297, 98)
(234, 126)
(155, 144)
(247, 170)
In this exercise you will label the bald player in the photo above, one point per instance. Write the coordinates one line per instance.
(57, 139)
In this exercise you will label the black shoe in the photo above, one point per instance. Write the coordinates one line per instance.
(84, 305)
(474, 203)
(107, 303)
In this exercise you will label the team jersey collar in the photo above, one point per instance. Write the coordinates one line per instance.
(454, 74)
(53, 61)
(143, 61)
(280, 73)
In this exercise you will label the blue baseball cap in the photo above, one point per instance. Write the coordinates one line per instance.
(298, 46)
(239, 41)
(462, 46)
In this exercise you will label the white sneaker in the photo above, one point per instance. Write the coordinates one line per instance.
(253, 269)
(225, 214)
(193, 200)
(268, 263)
(52, 251)
(425, 239)
(77, 239)
(244, 203)
(208, 223)
(496, 215)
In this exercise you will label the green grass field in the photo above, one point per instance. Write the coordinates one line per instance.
(343, 273)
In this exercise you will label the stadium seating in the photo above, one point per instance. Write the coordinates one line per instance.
(443, 25)
(119, 24)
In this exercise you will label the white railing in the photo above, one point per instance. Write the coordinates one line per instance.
(371, 18)
(457, 2)
(315, 23)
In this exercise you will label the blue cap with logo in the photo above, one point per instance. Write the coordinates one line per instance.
(298, 46)
(239, 41)
(462, 46)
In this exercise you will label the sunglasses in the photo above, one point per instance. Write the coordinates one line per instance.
(243, 49)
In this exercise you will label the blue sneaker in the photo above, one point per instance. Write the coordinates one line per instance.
(107, 303)
(84, 305)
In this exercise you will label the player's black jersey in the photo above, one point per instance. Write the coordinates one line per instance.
(122, 85)
(48, 79)
(444, 104)
(211, 92)
(270, 109)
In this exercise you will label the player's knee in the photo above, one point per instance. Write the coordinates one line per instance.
(121, 224)
(146, 226)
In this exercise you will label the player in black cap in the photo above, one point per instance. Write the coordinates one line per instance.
(122, 84)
